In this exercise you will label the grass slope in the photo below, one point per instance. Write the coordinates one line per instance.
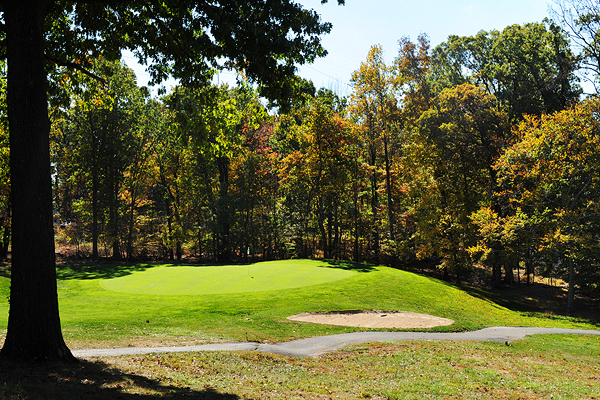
(535, 368)
(132, 313)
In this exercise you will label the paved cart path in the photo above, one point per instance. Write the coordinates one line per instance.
(315, 346)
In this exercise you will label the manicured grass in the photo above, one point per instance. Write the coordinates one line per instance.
(93, 316)
(194, 280)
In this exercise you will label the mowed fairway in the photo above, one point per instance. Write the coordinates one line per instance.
(141, 304)
(199, 280)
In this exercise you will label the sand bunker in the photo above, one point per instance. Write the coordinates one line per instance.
(374, 319)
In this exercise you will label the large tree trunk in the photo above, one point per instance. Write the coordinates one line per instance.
(34, 331)
(5, 239)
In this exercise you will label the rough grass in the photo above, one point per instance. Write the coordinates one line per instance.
(539, 367)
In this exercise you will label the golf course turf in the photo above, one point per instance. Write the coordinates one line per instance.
(105, 306)
(199, 280)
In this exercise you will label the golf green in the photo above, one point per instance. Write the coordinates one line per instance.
(197, 280)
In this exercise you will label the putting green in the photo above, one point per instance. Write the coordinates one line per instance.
(194, 280)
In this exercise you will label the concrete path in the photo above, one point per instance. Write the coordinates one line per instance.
(315, 346)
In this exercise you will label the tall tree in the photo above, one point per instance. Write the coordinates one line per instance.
(374, 105)
(465, 132)
(102, 138)
(185, 39)
(529, 68)
(550, 179)
(411, 71)
(185, 166)
(321, 169)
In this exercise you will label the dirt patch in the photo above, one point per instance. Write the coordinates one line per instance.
(374, 319)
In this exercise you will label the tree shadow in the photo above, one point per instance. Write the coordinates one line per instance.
(109, 270)
(98, 270)
(349, 265)
(534, 300)
(93, 380)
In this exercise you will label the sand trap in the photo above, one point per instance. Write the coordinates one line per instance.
(374, 319)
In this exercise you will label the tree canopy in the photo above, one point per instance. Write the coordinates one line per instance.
(530, 68)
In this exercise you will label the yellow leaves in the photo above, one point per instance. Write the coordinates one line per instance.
(488, 221)
(480, 251)
(555, 154)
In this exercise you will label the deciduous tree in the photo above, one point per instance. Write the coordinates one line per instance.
(373, 104)
(529, 68)
(465, 132)
(551, 175)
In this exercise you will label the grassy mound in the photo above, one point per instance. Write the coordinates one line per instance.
(198, 280)
(121, 305)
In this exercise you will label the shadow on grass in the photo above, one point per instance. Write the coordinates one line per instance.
(89, 380)
(349, 265)
(109, 270)
(98, 271)
(537, 300)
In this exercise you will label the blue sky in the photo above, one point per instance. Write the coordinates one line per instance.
(361, 24)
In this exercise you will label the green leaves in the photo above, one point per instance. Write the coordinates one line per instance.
(190, 41)
(529, 68)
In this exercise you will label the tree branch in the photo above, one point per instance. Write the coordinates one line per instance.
(76, 67)
(106, 2)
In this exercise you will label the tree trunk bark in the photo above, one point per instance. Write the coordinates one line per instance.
(571, 293)
(356, 223)
(509, 275)
(223, 217)
(388, 188)
(131, 225)
(321, 223)
(114, 217)
(95, 182)
(374, 205)
(5, 240)
(34, 331)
